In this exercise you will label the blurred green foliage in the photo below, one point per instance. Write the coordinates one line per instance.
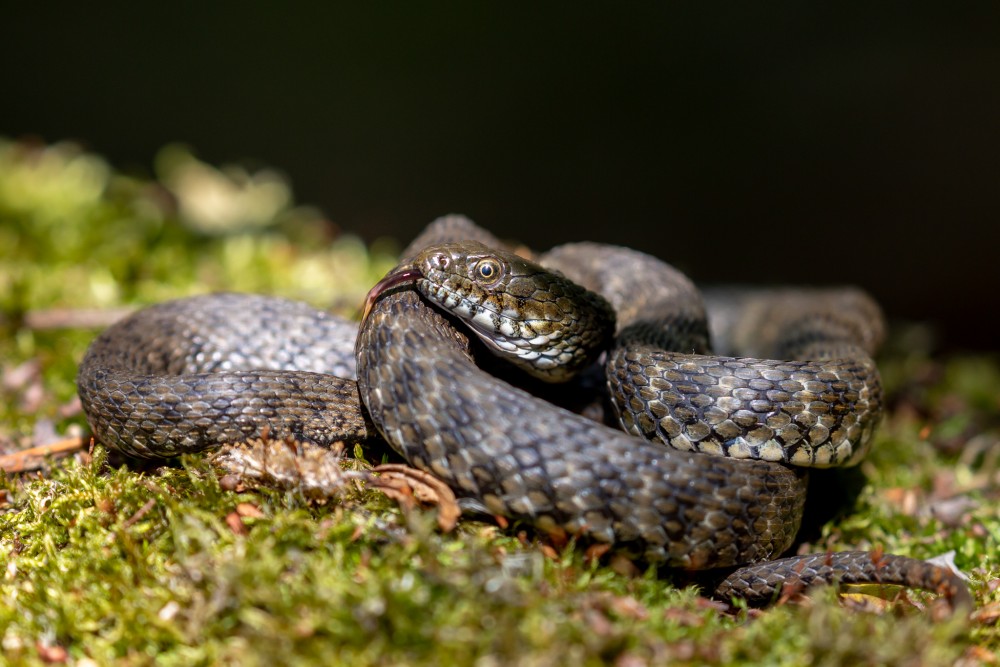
(75, 233)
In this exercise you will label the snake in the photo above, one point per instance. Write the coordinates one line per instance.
(706, 469)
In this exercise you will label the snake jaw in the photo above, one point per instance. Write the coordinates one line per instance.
(401, 275)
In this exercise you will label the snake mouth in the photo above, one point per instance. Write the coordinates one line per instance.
(401, 275)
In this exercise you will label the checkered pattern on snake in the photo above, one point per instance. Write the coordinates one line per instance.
(195, 373)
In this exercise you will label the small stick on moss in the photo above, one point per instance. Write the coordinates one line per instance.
(73, 318)
(141, 512)
(29, 460)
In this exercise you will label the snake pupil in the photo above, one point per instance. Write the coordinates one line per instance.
(487, 269)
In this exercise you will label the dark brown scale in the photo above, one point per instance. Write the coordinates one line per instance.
(826, 409)
(183, 376)
(195, 373)
(761, 584)
(532, 461)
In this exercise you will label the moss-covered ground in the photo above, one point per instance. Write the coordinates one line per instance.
(108, 561)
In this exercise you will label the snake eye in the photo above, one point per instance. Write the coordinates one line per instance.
(487, 269)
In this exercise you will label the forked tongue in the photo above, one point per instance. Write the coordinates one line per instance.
(398, 276)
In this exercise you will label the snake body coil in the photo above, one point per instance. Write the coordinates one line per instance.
(173, 379)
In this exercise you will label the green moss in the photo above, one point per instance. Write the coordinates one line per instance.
(138, 565)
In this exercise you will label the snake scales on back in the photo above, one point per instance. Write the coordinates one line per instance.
(191, 374)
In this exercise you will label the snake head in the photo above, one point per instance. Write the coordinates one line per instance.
(537, 319)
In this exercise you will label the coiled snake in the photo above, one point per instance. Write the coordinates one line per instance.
(191, 374)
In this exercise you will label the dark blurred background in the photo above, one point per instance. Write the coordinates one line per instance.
(785, 142)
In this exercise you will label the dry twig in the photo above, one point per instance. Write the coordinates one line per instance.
(28, 460)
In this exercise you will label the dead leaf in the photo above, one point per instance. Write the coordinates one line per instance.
(557, 535)
(684, 617)
(285, 463)
(595, 551)
(249, 510)
(987, 615)
(598, 622)
(906, 500)
(235, 524)
(708, 603)
(866, 602)
(549, 552)
(409, 487)
(624, 565)
(980, 655)
(52, 654)
(626, 606)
